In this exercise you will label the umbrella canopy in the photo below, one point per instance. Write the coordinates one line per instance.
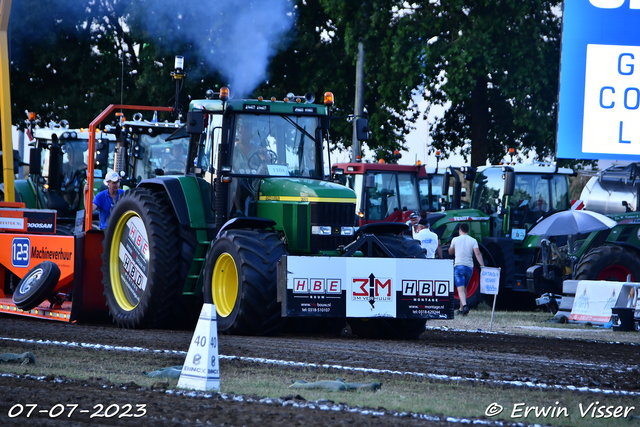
(572, 222)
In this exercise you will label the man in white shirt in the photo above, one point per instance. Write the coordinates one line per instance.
(428, 239)
(464, 247)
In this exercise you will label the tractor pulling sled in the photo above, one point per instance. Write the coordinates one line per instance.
(246, 220)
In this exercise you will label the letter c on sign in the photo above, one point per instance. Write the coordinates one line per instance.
(607, 4)
(601, 97)
(629, 66)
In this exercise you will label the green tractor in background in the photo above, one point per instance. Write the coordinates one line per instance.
(58, 170)
(508, 201)
(251, 190)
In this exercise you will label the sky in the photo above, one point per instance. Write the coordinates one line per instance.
(418, 142)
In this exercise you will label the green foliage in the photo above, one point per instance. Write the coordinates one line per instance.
(494, 61)
(497, 63)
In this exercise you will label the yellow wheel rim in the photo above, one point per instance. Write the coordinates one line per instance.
(115, 263)
(224, 284)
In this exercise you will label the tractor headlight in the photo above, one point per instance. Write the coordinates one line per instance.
(321, 230)
(346, 231)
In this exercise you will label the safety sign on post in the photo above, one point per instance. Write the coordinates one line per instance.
(490, 285)
(599, 98)
(201, 370)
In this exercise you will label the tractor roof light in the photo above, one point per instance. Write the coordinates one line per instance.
(31, 116)
(328, 99)
(224, 93)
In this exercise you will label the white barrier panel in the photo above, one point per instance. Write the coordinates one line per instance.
(594, 300)
(201, 370)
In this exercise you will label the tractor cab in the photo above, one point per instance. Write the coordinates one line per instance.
(536, 193)
(148, 149)
(58, 167)
(384, 192)
(431, 181)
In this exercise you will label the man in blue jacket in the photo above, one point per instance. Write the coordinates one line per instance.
(104, 200)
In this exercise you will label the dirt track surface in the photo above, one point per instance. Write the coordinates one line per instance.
(511, 358)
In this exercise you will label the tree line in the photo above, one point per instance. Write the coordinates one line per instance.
(494, 63)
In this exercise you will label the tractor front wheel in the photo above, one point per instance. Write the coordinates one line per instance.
(240, 279)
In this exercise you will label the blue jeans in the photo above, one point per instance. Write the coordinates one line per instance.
(461, 275)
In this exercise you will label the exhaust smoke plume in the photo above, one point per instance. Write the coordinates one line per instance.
(235, 38)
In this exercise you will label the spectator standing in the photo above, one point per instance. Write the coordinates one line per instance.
(104, 200)
(412, 223)
(464, 247)
(428, 239)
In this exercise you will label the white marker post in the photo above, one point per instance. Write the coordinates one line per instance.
(201, 370)
(490, 285)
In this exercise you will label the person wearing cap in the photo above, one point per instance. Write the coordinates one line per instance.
(104, 200)
(412, 223)
(428, 239)
(463, 247)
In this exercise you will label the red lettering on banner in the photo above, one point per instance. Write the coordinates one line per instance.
(380, 285)
(333, 286)
(317, 285)
(364, 283)
(145, 248)
(132, 232)
(139, 240)
(300, 285)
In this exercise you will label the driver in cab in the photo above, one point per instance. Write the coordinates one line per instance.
(248, 158)
(177, 158)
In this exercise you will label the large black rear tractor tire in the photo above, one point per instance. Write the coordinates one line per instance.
(240, 279)
(141, 243)
(386, 327)
(612, 263)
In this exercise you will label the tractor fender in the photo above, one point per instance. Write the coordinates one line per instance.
(628, 246)
(383, 228)
(175, 192)
(253, 223)
(486, 254)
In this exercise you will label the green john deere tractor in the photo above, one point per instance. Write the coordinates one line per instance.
(249, 192)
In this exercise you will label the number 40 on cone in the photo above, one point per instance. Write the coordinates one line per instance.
(201, 370)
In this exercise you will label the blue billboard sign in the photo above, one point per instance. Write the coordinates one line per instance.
(599, 100)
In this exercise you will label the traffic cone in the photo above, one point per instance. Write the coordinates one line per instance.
(201, 370)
